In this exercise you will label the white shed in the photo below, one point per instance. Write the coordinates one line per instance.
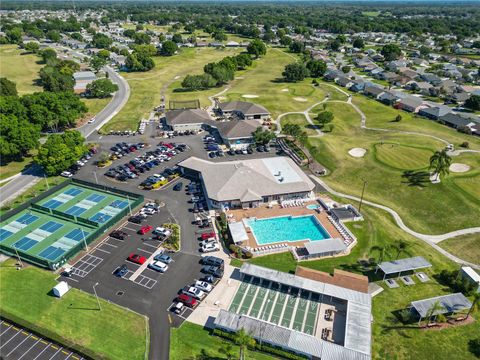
(61, 289)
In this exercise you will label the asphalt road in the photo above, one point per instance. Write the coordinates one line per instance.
(14, 187)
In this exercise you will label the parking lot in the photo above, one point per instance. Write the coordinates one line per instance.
(17, 343)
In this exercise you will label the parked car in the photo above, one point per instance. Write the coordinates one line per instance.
(66, 174)
(213, 261)
(121, 271)
(178, 186)
(118, 234)
(148, 211)
(207, 241)
(204, 286)
(135, 219)
(162, 231)
(145, 229)
(158, 266)
(210, 247)
(137, 259)
(208, 235)
(177, 307)
(210, 279)
(187, 300)
(163, 258)
(193, 292)
(212, 270)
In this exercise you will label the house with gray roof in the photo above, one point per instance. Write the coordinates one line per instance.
(462, 122)
(236, 134)
(186, 119)
(410, 104)
(434, 111)
(373, 91)
(249, 183)
(243, 110)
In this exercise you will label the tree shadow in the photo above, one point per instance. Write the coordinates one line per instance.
(279, 81)
(416, 178)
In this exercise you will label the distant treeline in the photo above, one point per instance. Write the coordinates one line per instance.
(243, 18)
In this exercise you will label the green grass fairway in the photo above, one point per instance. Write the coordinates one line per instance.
(112, 333)
(146, 86)
(188, 342)
(21, 68)
(466, 247)
(298, 119)
(402, 157)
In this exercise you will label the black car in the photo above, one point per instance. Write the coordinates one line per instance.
(111, 173)
(122, 177)
(178, 186)
(121, 271)
(210, 279)
(135, 219)
(117, 234)
(213, 261)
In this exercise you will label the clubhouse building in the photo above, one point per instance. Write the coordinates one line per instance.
(249, 183)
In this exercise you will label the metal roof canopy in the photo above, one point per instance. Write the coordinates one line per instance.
(286, 338)
(401, 265)
(238, 232)
(450, 303)
(324, 246)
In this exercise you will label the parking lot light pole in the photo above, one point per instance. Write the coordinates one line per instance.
(95, 175)
(18, 256)
(84, 240)
(96, 296)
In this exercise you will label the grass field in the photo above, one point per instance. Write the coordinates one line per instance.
(21, 68)
(146, 87)
(392, 340)
(14, 167)
(112, 333)
(466, 247)
(298, 119)
(188, 342)
(95, 105)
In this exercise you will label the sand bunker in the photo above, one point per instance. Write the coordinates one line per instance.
(284, 90)
(459, 168)
(176, 77)
(239, 77)
(248, 96)
(357, 152)
(300, 99)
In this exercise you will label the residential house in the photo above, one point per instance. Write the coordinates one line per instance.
(459, 97)
(344, 81)
(461, 122)
(82, 79)
(387, 97)
(434, 111)
(373, 90)
(431, 78)
(357, 85)
(396, 65)
(332, 75)
(410, 104)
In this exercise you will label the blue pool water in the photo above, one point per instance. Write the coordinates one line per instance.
(287, 228)
(312, 207)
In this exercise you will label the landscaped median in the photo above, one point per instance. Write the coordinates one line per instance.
(74, 320)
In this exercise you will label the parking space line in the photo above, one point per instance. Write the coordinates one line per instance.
(5, 343)
(153, 246)
(31, 347)
(127, 228)
(112, 238)
(55, 353)
(3, 332)
(146, 251)
(105, 251)
(46, 347)
(106, 243)
(19, 344)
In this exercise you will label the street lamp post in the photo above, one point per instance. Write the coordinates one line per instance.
(361, 198)
(129, 206)
(96, 296)
(18, 257)
(84, 240)
(95, 175)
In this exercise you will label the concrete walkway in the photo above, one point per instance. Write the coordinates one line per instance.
(432, 240)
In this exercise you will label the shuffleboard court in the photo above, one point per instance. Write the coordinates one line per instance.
(260, 298)
(288, 312)
(237, 299)
(248, 299)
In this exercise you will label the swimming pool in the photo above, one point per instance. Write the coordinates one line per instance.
(312, 207)
(287, 228)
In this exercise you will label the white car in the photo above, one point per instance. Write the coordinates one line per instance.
(207, 241)
(148, 211)
(158, 266)
(162, 231)
(91, 121)
(193, 292)
(80, 163)
(66, 174)
(210, 247)
(204, 286)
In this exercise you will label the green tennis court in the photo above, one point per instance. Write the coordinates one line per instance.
(53, 229)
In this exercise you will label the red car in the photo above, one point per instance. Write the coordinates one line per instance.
(209, 235)
(187, 300)
(137, 259)
(168, 145)
(145, 229)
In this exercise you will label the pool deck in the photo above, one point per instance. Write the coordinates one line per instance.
(276, 211)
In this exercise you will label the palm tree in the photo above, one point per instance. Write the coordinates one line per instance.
(476, 298)
(227, 350)
(436, 306)
(440, 161)
(400, 247)
(382, 252)
(243, 340)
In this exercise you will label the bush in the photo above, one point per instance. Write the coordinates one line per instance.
(173, 241)
(248, 255)
(465, 145)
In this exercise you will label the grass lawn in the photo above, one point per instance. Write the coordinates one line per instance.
(112, 333)
(14, 167)
(190, 339)
(21, 68)
(146, 86)
(389, 154)
(298, 119)
(466, 247)
(95, 105)
(392, 340)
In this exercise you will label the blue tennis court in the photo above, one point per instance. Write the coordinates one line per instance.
(96, 198)
(76, 234)
(51, 253)
(119, 204)
(100, 218)
(24, 243)
(51, 226)
(52, 204)
(27, 219)
(73, 191)
(75, 210)
(4, 234)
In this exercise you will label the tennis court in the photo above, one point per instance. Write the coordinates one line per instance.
(65, 221)
(278, 304)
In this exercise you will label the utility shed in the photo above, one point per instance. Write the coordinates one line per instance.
(60, 289)
(403, 265)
